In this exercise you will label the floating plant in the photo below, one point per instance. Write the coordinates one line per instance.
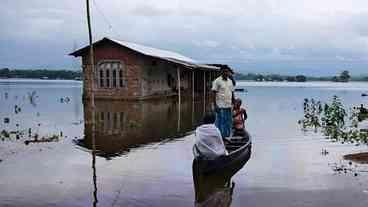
(335, 122)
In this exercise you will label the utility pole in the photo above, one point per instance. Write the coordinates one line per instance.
(92, 82)
(91, 55)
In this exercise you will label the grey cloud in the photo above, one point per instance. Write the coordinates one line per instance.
(150, 11)
(249, 34)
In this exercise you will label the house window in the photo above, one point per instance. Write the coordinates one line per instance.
(121, 83)
(101, 79)
(108, 78)
(114, 79)
(110, 74)
(121, 120)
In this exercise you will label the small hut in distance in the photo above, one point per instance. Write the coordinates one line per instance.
(129, 71)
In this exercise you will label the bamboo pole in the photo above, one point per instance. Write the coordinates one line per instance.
(92, 79)
(193, 85)
(178, 85)
(204, 92)
(91, 55)
(179, 98)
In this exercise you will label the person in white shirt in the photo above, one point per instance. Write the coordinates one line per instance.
(223, 89)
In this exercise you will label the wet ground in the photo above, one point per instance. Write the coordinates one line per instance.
(143, 150)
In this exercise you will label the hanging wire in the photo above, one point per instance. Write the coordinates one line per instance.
(106, 20)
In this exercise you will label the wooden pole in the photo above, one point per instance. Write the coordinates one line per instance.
(179, 92)
(91, 55)
(204, 83)
(204, 92)
(193, 84)
(179, 98)
(91, 62)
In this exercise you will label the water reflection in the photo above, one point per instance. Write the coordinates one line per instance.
(121, 126)
(215, 189)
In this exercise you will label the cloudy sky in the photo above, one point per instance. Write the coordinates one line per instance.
(314, 37)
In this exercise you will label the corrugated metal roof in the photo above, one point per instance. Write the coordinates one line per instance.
(153, 51)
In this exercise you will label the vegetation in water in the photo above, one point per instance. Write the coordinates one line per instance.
(11, 130)
(334, 120)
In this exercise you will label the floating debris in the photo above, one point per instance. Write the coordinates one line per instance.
(6, 120)
(32, 98)
(16, 109)
(67, 99)
(53, 138)
(324, 152)
(241, 90)
(64, 99)
(364, 94)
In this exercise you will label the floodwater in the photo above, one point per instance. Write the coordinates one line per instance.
(142, 152)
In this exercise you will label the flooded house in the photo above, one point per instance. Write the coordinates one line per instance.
(122, 126)
(130, 71)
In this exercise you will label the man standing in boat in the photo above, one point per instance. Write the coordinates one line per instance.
(223, 89)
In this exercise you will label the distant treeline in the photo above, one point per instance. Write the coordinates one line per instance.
(41, 74)
(269, 77)
(343, 77)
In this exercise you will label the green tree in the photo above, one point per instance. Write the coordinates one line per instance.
(345, 76)
(5, 72)
(300, 78)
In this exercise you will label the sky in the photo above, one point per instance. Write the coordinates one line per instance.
(310, 37)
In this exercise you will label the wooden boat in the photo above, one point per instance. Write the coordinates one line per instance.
(215, 189)
(212, 190)
(239, 152)
(240, 90)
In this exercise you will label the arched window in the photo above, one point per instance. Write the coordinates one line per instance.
(110, 74)
(101, 79)
(108, 78)
(121, 81)
(114, 78)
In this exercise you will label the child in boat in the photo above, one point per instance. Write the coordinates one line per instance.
(239, 117)
(208, 139)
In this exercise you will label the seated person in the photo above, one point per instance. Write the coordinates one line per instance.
(208, 140)
(239, 117)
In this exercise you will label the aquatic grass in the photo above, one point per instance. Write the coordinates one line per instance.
(334, 120)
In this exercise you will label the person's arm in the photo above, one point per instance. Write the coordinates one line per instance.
(232, 80)
(232, 97)
(214, 98)
(237, 113)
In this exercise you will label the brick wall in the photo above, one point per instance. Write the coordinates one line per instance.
(132, 71)
(145, 77)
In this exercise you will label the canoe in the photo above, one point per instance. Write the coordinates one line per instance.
(212, 190)
(239, 152)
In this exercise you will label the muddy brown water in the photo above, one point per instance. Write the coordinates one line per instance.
(143, 151)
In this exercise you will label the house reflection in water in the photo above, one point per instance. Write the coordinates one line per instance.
(120, 126)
